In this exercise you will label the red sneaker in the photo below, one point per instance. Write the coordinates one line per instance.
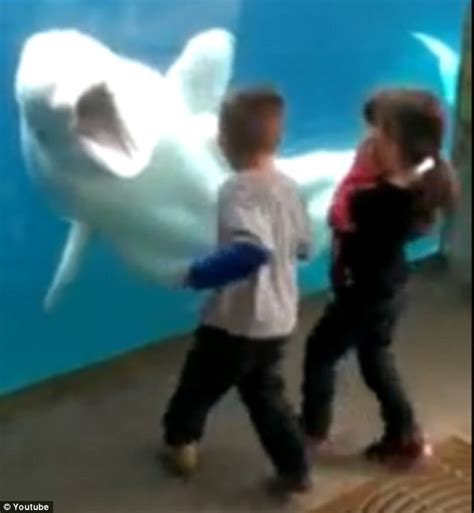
(400, 453)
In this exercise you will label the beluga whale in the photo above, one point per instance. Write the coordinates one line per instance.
(124, 152)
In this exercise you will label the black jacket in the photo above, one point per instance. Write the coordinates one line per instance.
(372, 258)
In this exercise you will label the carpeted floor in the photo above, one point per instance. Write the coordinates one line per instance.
(444, 485)
(88, 442)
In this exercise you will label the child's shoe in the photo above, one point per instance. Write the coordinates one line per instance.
(401, 453)
(320, 446)
(184, 459)
(291, 485)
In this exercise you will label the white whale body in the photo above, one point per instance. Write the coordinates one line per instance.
(129, 154)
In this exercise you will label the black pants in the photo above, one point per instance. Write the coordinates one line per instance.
(365, 323)
(215, 364)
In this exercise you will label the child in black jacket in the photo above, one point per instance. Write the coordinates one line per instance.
(372, 270)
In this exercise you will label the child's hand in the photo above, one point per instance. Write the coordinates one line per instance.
(186, 280)
(179, 278)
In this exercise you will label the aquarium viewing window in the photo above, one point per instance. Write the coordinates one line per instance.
(98, 222)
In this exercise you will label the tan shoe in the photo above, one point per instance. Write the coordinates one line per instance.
(184, 459)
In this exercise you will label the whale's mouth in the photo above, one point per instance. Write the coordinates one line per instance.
(105, 137)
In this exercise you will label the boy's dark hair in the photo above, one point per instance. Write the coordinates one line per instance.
(242, 121)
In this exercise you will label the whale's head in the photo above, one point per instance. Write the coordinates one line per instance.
(81, 103)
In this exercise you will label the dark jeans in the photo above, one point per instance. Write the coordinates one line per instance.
(218, 362)
(366, 323)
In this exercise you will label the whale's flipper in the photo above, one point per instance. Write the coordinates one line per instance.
(203, 72)
(448, 61)
(78, 238)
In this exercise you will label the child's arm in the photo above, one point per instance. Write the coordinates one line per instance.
(228, 265)
(246, 241)
(362, 173)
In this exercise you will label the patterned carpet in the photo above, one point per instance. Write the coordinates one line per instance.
(443, 486)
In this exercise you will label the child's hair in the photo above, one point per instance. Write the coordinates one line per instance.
(371, 107)
(243, 122)
(414, 119)
(374, 104)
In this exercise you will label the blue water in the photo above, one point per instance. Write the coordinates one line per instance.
(323, 54)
